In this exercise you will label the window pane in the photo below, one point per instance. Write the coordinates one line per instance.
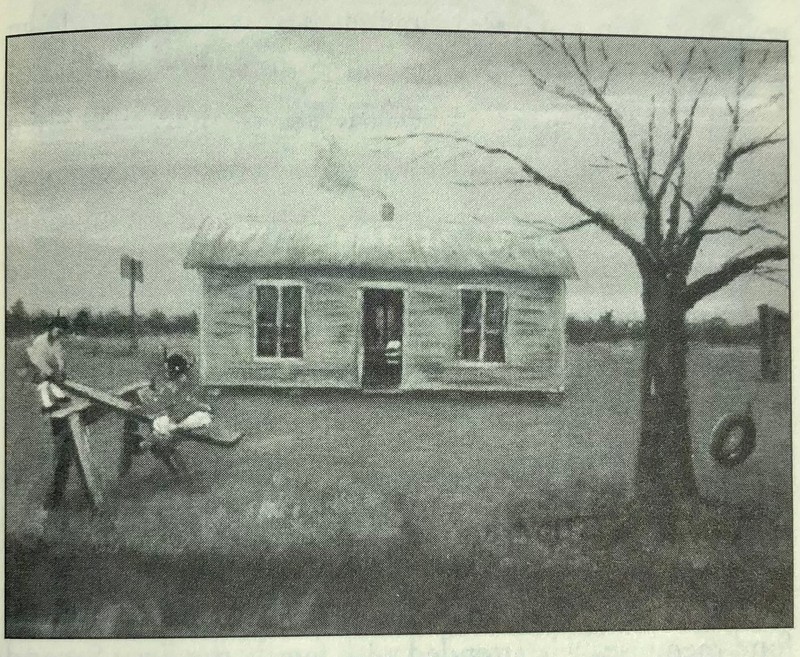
(266, 320)
(495, 310)
(291, 331)
(494, 350)
(470, 324)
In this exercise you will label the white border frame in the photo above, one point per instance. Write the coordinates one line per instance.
(280, 284)
(723, 19)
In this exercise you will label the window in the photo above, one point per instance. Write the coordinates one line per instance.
(483, 326)
(279, 320)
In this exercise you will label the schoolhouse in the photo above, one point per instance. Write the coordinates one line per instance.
(345, 289)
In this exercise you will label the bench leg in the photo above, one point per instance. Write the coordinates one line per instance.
(172, 459)
(130, 446)
(84, 462)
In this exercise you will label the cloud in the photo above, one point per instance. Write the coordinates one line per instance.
(122, 135)
(64, 75)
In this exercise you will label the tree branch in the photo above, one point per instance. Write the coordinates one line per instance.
(736, 153)
(679, 146)
(608, 163)
(730, 271)
(640, 253)
(772, 279)
(741, 232)
(649, 147)
(687, 64)
(561, 92)
(610, 70)
(729, 199)
(774, 98)
(674, 218)
(693, 235)
(716, 195)
(615, 121)
(679, 189)
(544, 42)
(575, 226)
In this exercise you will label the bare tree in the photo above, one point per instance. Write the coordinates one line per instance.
(673, 227)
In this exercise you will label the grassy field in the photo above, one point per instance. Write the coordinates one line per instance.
(352, 514)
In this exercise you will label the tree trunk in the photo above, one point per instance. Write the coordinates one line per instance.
(665, 474)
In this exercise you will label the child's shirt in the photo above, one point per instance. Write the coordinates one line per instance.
(176, 399)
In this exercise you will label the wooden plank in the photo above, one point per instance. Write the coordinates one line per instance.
(75, 407)
(80, 405)
(217, 434)
(213, 435)
(127, 390)
(119, 405)
(84, 461)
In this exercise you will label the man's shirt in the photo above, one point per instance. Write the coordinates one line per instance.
(47, 356)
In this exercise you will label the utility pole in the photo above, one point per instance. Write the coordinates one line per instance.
(133, 270)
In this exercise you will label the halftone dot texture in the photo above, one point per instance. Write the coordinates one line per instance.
(370, 490)
(339, 511)
(128, 141)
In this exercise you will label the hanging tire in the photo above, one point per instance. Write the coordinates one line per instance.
(730, 451)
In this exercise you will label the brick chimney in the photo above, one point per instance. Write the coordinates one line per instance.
(387, 212)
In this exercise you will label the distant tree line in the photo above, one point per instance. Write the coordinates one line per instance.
(606, 329)
(86, 322)
(579, 331)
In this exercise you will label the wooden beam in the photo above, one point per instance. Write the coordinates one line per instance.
(84, 461)
(127, 390)
(75, 407)
(98, 411)
(111, 401)
(213, 435)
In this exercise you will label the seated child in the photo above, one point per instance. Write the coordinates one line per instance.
(175, 404)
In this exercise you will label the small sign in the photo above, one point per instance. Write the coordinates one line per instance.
(132, 268)
(138, 270)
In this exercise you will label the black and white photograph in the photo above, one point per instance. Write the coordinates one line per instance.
(322, 332)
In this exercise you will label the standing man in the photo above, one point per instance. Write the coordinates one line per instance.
(46, 354)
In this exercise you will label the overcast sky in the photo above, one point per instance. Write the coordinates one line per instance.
(127, 141)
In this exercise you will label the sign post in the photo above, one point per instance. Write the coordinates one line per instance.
(132, 269)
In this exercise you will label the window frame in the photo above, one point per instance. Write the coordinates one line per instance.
(481, 362)
(279, 284)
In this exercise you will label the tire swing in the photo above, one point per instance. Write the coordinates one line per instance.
(733, 439)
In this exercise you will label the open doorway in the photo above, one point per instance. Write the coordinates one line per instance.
(383, 336)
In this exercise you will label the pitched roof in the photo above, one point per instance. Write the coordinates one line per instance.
(432, 230)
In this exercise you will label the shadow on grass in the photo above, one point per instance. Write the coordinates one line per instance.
(569, 575)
